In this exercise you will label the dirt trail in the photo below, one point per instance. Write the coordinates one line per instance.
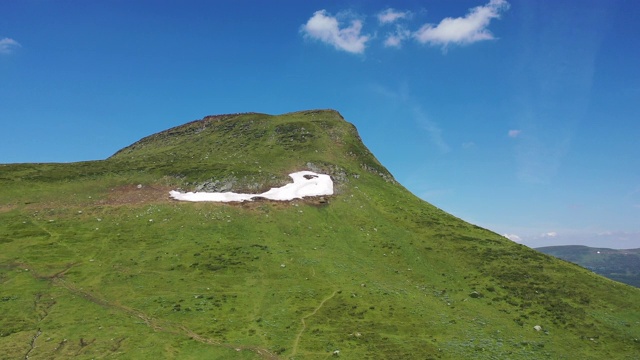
(304, 324)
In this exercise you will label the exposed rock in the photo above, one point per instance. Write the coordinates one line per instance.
(382, 173)
(217, 185)
(338, 174)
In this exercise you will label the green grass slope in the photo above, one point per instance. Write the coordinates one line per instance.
(619, 265)
(97, 262)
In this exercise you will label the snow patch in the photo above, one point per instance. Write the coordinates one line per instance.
(305, 183)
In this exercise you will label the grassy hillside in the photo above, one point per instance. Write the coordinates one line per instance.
(619, 265)
(97, 262)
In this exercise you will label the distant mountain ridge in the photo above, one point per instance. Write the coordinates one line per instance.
(96, 260)
(619, 265)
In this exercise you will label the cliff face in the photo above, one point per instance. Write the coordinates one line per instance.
(96, 260)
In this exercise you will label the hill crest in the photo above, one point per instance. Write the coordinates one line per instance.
(233, 151)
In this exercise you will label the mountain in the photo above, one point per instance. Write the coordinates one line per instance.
(97, 261)
(619, 265)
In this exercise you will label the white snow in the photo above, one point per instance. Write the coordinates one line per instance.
(305, 183)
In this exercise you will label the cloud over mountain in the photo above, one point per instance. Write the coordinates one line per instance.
(326, 28)
(513, 237)
(8, 45)
(396, 38)
(463, 30)
(390, 15)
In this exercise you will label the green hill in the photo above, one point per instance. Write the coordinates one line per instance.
(97, 262)
(619, 265)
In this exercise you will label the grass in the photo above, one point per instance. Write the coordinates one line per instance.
(93, 266)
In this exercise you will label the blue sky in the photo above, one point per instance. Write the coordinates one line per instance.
(518, 116)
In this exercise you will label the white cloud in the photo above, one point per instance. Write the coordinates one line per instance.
(514, 133)
(513, 237)
(391, 15)
(326, 28)
(7, 45)
(471, 28)
(463, 30)
(550, 234)
(395, 39)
